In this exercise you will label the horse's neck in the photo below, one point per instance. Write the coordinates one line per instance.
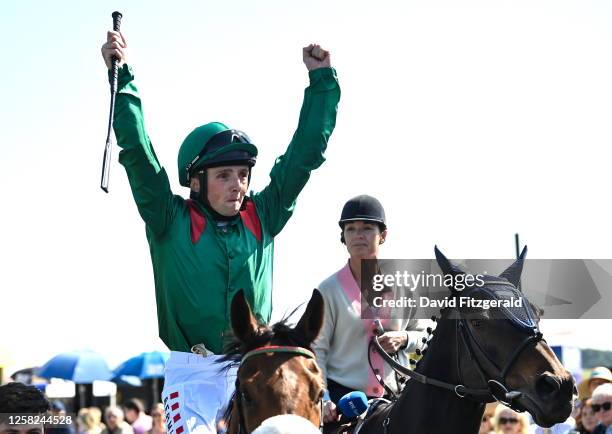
(430, 409)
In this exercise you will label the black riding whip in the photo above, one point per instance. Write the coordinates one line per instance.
(113, 89)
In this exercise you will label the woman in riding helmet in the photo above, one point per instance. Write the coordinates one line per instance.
(343, 352)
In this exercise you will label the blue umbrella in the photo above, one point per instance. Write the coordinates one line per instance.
(145, 365)
(82, 367)
(127, 380)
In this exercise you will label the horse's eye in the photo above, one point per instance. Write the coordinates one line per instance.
(246, 398)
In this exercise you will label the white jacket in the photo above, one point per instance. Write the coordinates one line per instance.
(342, 345)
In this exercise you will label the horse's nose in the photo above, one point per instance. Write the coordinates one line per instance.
(547, 386)
(550, 386)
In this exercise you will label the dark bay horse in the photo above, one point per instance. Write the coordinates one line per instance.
(472, 359)
(278, 373)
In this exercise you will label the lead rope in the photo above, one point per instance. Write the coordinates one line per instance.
(391, 393)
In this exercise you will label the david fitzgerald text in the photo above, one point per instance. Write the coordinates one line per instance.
(452, 302)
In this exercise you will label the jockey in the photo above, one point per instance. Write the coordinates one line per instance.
(343, 343)
(205, 249)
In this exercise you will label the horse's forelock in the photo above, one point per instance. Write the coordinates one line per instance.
(280, 333)
(286, 335)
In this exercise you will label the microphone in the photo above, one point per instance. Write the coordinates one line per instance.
(353, 404)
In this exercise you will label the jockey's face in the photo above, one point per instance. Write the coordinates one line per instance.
(363, 239)
(227, 186)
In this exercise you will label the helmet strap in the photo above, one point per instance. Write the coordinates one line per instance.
(202, 195)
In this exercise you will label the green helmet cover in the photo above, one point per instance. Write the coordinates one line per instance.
(195, 143)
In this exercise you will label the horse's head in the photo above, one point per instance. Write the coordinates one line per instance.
(278, 373)
(502, 349)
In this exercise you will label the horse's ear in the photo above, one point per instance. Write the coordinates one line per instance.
(513, 272)
(446, 266)
(244, 323)
(311, 322)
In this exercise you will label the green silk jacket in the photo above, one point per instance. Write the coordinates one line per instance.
(199, 264)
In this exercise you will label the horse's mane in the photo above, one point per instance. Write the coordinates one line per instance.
(490, 284)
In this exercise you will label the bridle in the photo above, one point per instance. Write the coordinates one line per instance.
(496, 385)
(239, 396)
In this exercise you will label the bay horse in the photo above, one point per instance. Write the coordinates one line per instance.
(476, 356)
(278, 373)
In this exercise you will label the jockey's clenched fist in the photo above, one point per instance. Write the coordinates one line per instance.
(315, 57)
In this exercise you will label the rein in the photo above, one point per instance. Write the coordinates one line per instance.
(496, 388)
(267, 350)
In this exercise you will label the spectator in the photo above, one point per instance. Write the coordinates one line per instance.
(89, 421)
(601, 403)
(486, 426)
(508, 421)
(115, 423)
(135, 416)
(599, 375)
(17, 398)
(586, 420)
(159, 419)
(59, 409)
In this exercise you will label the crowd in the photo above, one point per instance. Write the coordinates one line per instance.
(131, 418)
(592, 413)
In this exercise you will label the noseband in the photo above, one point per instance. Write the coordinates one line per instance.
(267, 350)
(497, 387)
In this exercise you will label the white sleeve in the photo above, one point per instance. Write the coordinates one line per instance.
(323, 342)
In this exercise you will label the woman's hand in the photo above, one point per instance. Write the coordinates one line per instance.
(330, 412)
(391, 341)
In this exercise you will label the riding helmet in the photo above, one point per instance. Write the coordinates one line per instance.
(212, 145)
(363, 208)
